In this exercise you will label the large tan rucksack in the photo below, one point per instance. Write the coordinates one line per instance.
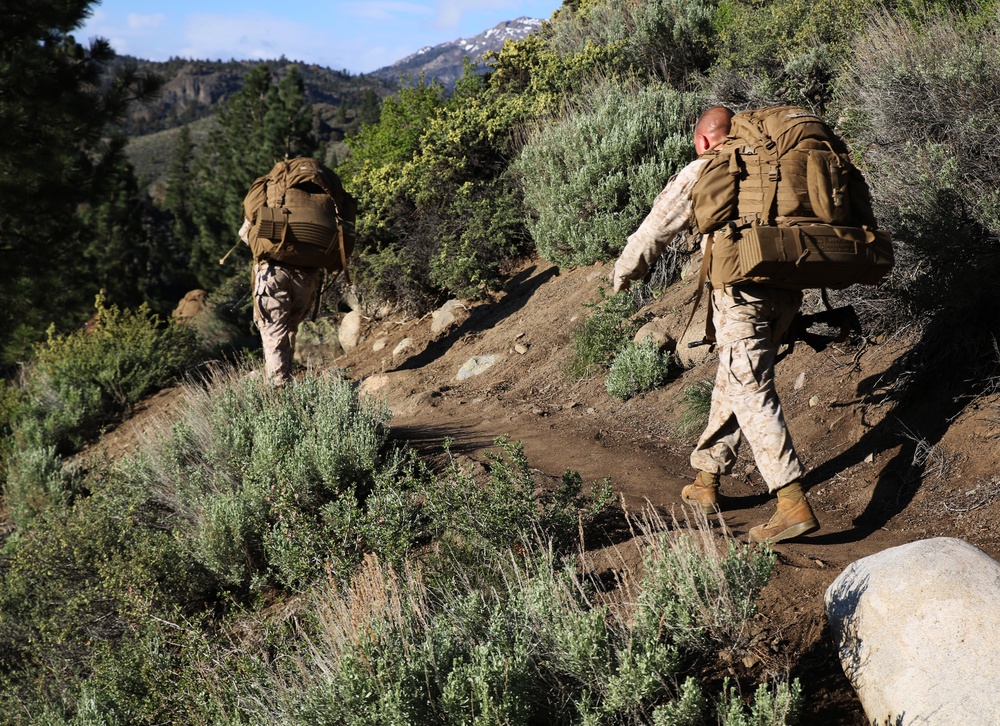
(300, 215)
(793, 209)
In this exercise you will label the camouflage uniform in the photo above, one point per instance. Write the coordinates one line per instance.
(282, 297)
(750, 321)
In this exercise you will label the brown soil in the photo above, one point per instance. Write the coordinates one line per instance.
(892, 458)
(898, 449)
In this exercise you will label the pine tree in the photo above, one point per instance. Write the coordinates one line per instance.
(177, 199)
(58, 109)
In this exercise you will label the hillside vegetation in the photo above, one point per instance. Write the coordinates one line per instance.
(264, 556)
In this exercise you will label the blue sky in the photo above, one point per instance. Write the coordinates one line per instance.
(355, 35)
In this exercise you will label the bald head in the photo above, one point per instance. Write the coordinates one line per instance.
(712, 128)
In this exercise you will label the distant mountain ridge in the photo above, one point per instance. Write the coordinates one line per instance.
(193, 88)
(446, 62)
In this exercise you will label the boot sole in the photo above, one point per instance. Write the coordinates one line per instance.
(796, 530)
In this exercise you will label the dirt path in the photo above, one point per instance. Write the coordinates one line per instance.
(898, 437)
(873, 454)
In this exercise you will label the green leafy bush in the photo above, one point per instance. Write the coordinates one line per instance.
(788, 51)
(438, 213)
(918, 99)
(590, 178)
(79, 381)
(638, 367)
(668, 39)
(505, 508)
(269, 486)
(531, 647)
(778, 704)
(605, 332)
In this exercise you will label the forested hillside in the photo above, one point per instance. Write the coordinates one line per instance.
(262, 556)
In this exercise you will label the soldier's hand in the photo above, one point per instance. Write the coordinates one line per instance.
(619, 283)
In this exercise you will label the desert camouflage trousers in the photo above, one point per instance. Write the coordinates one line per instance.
(751, 321)
(283, 296)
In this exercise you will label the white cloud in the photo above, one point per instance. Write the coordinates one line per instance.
(136, 21)
(256, 36)
(386, 9)
(450, 12)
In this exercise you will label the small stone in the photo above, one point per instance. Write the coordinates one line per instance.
(520, 348)
(476, 365)
(800, 380)
(404, 345)
(814, 401)
(870, 459)
(446, 316)
(350, 330)
(379, 344)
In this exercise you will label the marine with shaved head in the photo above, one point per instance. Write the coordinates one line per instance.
(751, 321)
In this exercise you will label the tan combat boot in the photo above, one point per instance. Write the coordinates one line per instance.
(794, 517)
(704, 493)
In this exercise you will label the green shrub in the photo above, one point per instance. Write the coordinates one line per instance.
(638, 367)
(79, 381)
(667, 39)
(778, 705)
(531, 646)
(919, 102)
(605, 332)
(591, 178)
(505, 508)
(439, 214)
(703, 598)
(787, 51)
(268, 486)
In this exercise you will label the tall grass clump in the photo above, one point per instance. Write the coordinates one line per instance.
(591, 177)
(638, 367)
(268, 486)
(606, 331)
(696, 402)
(536, 646)
(920, 102)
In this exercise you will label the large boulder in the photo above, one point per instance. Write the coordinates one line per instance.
(916, 628)
(350, 332)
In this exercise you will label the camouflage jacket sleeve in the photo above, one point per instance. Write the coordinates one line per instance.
(245, 231)
(672, 213)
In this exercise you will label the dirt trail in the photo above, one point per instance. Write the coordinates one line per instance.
(875, 478)
(898, 449)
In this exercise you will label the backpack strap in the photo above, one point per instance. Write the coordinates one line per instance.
(706, 263)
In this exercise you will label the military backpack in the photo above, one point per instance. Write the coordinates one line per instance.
(788, 206)
(300, 215)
